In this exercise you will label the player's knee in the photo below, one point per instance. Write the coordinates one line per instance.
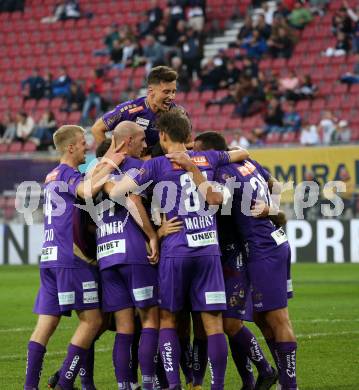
(167, 319)
(231, 326)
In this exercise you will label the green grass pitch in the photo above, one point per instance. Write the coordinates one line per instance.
(325, 314)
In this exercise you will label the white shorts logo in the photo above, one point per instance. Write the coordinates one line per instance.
(111, 247)
(214, 297)
(90, 297)
(279, 236)
(49, 253)
(66, 298)
(89, 285)
(289, 285)
(141, 294)
(202, 239)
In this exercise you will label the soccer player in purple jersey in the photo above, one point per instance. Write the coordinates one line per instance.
(128, 276)
(161, 92)
(268, 258)
(189, 261)
(68, 280)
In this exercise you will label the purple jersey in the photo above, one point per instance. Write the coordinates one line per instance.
(137, 111)
(260, 235)
(119, 239)
(179, 197)
(66, 242)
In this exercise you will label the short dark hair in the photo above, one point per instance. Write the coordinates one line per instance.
(212, 140)
(103, 147)
(175, 124)
(160, 74)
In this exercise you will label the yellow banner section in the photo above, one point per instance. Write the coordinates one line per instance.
(325, 163)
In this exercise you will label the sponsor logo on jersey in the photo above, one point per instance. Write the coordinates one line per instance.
(135, 109)
(279, 236)
(202, 239)
(111, 247)
(49, 253)
(143, 122)
(247, 168)
(200, 161)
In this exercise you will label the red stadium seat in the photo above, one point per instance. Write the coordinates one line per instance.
(3, 148)
(15, 147)
(29, 147)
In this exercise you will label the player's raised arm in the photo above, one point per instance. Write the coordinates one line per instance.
(98, 131)
(238, 155)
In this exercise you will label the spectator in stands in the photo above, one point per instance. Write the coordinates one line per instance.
(300, 16)
(250, 97)
(239, 140)
(341, 48)
(280, 45)
(327, 127)
(306, 90)
(230, 74)
(183, 79)
(341, 22)
(256, 46)
(75, 99)
(342, 133)
(116, 54)
(61, 85)
(111, 34)
(94, 89)
(44, 130)
(319, 7)
(210, 76)
(245, 32)
(12, 5)
(67, 9)
(263, 28)
(249, 68)
(291, 119)
(191, 52)
(309, 135)
(34, 86)
(196, 14)
(153, 51)
(352, 78)
(289, 84)
(24, 126)
(9, 129)
(274, 117)
(153, 17)
(48, 85)
(354, 16)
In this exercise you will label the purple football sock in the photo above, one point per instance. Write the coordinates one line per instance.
(147, 354)
(121, 357)
(199, 361)
(134, 349)
(87, 370)
(71, 366)
(287, 360)
(186, 358)
(35, 358)
(248, 345)
(217, 358)
(160, 379)
(170, 350)
(242, 363)
(272, 347)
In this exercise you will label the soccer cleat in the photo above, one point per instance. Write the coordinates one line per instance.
(52, 381)
(266, 382)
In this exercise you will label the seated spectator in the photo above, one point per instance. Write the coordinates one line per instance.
(153, 52)
(75, 99)
(196, 15)
(249, 68)
(342, 133)
(245, 33)
(318, 7)
(116, 53)
(341, 48)
(239, 140)
(191, 52)
(61, 85)
(281, 45)
(94, 89)
(263, 28)
(354, 16)
(256, 46)
(327, 127)
(250, 97)
(306, 89)
(48, 86)
(352, 78)
(153, 17)
(300, 16)
(67, 9)
(183, 80)
(274, 117)
(9, 129)
(309, 135)
(34, 86)
(44, 130)
(341, 22)
(230, 74)
(291, 120)
(289, 84)
(24, 126)
(347, 195)
(210, 76)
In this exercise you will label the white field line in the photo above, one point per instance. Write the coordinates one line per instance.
(311, 321)
(108, 349)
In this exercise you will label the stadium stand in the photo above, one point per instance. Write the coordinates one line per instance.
(29, 44)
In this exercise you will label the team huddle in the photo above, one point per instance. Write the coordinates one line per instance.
(170, 242)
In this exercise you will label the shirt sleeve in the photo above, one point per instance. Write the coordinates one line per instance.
(217, 158)
(72, 179)
(112, 118)
(146, 174)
